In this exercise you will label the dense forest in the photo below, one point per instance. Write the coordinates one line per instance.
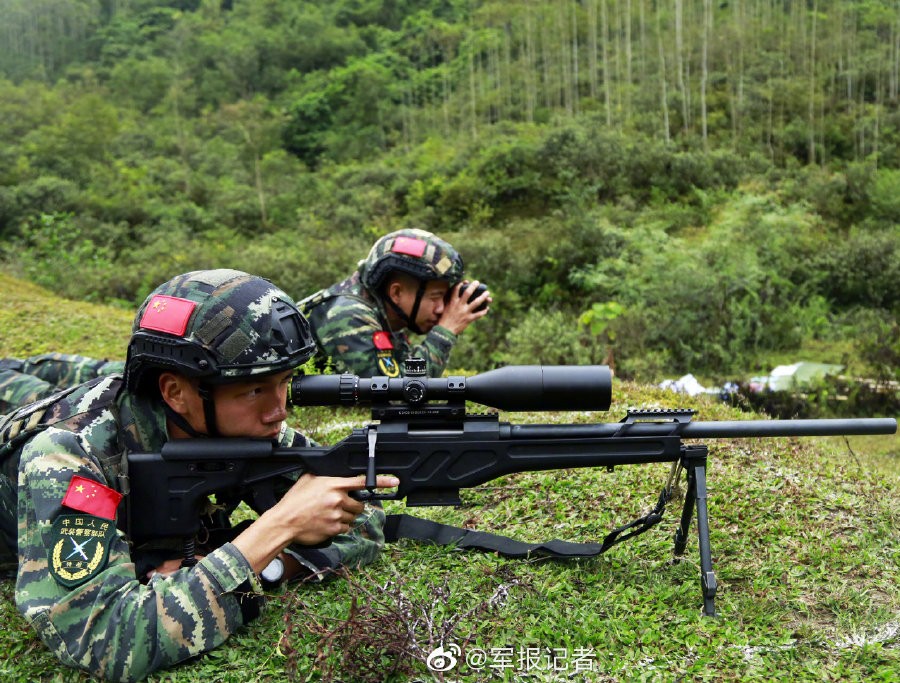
(669, 186)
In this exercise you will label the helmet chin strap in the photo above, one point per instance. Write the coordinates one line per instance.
(410, 320)
(209, 409)
(209, 413)
(181, 423)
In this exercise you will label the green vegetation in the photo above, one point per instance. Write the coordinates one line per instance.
(672, 187)
(804, 538)
(706, 186)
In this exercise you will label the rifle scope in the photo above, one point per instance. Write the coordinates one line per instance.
(513, 388)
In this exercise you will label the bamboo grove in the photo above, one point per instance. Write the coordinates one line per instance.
(809, 80)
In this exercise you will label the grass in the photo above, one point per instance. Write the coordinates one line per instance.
(33, 321)
(805, 546)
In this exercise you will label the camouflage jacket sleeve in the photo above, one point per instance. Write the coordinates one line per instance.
(18, 389)
(95, 615)
(350, 332)
(360, 546)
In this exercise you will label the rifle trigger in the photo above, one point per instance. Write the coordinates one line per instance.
(371, 478)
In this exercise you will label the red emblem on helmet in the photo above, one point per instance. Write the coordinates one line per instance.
(411, 246)
(168, 314)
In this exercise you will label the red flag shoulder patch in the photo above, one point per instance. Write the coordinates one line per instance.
(411, 246)
(87, 495)
(382, 341)
(168, 314)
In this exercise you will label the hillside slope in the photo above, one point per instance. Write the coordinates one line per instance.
(33, 321)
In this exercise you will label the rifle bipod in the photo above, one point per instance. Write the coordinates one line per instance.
(693, 459)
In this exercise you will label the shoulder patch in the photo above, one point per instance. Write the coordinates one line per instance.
(87, 495)
(79, 548)
(387, 364)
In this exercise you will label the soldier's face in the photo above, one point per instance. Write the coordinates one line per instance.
(253, 408)
(430, 308)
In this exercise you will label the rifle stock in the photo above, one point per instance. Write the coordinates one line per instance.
(436, 450)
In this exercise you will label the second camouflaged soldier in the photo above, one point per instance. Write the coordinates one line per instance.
(211, 354)
(409, 281)
(25, 381)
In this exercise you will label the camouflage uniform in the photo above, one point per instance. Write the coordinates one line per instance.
(350, 322)
(25, 381)
(79, 582)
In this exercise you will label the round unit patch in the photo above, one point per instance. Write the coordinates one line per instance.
(79, 548)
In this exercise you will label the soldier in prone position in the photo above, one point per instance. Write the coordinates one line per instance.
(410, 281)
(211, 354)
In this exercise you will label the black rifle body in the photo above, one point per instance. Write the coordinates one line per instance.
(432, 461)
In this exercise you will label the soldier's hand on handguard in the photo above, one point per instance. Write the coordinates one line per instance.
(464, 305)
(313, 510)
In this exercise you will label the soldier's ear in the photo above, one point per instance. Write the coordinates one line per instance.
(176, 390)
(394, 290)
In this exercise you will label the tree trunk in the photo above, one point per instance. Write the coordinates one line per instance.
(593, 89)
(607, 85)
(680, 66)
(811, 156)
(663, 81)
(704, 70)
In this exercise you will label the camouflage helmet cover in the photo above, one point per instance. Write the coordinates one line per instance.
(418, 253)
(219, 325)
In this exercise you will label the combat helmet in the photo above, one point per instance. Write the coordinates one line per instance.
(217, 326)
(415, 252)
(418, 253)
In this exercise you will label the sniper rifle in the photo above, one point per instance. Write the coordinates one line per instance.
(426, 438)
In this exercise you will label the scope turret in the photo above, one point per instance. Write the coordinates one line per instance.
(513, 388)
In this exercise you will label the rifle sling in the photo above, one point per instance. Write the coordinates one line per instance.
(407, 526)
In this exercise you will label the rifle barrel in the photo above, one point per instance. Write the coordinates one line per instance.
(729, 429)
(750, 428)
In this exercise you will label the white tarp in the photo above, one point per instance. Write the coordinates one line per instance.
(687, 384)
(782, 378)
(788, 377)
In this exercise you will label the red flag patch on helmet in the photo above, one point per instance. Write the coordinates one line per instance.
(411, 246)
(168, 314)
(382, 341)
(87, 495)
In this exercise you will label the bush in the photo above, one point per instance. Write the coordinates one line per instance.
(551, 338)
(28, 200)
(828, 398)
(714, 303)
(55, 253)
(864, 270)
